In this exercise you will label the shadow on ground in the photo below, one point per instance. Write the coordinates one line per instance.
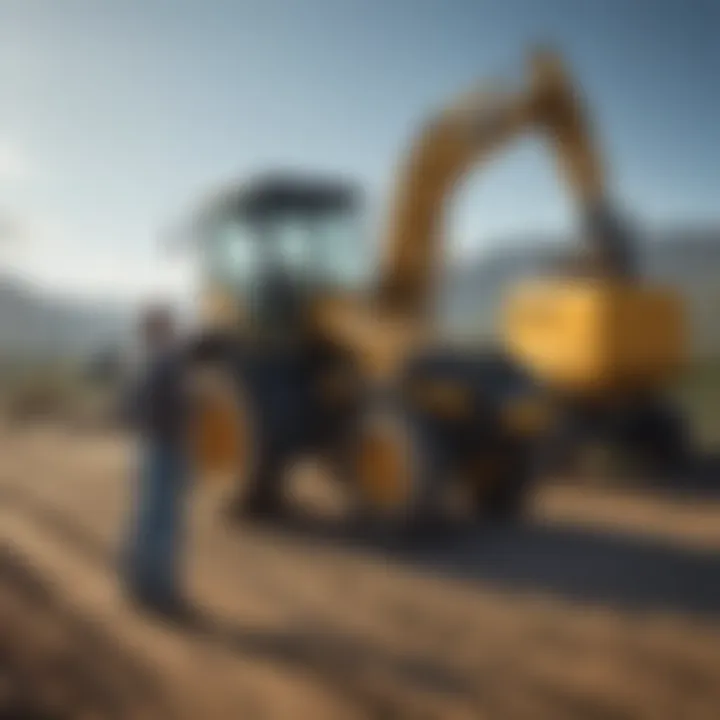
(578, 563)
(73, 670)
(703, 479)
(612, 568)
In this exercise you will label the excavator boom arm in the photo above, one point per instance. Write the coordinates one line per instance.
(460, 138)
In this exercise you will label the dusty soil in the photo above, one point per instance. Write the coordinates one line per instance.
(605, 605)
(55, 664)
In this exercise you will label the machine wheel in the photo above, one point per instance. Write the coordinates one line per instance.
(659, 440)
(501, 484)
(258, 493)
(229, 447)
(257, 483)
(558, 452)
(396, 469)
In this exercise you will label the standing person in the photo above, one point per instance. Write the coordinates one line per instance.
(159, 415)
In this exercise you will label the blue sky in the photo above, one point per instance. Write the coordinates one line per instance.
(116, 114)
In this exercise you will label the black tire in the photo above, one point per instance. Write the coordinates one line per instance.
(504, 497)
(660, 441)
(558, 452)
(259, 494)
(420, 511)
(259, 488)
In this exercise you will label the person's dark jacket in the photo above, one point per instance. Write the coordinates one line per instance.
(157, 404)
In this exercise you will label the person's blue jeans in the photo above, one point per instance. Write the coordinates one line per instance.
(154, 543)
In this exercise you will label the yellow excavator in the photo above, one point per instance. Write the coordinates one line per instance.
(312, 355)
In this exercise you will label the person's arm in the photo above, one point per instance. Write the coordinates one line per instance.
(134, 399)
(128, 405)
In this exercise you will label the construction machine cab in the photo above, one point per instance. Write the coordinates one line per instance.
(271, 246)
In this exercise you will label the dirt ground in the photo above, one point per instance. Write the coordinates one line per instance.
(604, 605)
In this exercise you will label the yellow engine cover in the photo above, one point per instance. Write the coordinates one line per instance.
(592, 336)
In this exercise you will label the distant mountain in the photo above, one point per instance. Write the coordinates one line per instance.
(34, 324)
(688, 259)
(37, 325)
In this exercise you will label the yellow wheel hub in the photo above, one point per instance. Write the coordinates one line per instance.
(384, 466)
(220, 434)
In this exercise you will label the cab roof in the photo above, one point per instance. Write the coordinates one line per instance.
(265, 195)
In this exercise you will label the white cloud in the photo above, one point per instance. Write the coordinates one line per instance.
(11, 229)
(62, 259)
(73, 270)
(15, 236)
(14, 162)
